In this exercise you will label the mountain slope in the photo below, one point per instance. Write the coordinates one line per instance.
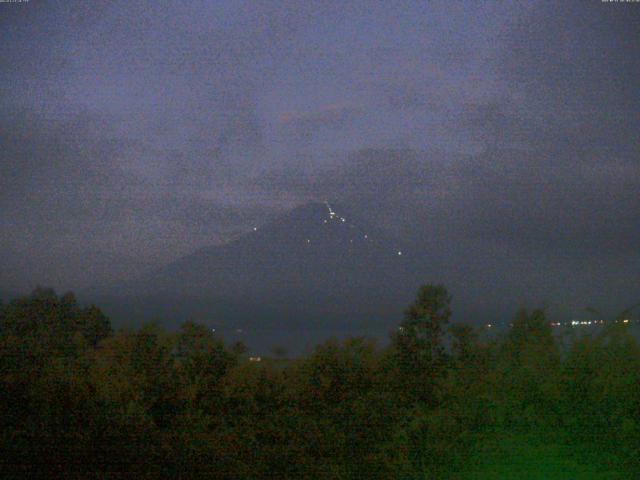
(311, 268)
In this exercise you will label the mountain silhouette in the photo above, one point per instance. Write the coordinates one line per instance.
(312, 268)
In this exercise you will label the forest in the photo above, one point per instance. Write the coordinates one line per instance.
(440, 400)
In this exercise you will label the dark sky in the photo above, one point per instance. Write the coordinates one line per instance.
(132, 133)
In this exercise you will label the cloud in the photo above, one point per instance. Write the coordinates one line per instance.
(506, 226)
(531, 200)
(72, 194)
(333, 116)
(574, 66)
(142, 132)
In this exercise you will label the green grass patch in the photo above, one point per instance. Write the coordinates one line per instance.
(545, 456)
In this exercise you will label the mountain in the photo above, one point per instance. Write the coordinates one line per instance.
(313, 269)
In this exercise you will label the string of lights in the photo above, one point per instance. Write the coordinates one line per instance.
(571, 323)
(333, 216)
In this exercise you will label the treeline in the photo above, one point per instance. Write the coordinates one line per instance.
(78, 400)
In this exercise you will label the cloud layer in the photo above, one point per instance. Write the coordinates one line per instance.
(133, 133)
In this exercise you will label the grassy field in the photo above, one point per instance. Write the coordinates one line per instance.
(541, 456)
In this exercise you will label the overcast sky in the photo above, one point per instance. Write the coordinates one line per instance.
(132, 133)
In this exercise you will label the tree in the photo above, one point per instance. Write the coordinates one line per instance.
(464, 341)
(94, 325)
(46, 400)
(418, 343)
(202, 361)
(528, 391)
(239, 348)
(341, 391)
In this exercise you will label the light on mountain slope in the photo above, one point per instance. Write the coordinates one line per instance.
(333, 215)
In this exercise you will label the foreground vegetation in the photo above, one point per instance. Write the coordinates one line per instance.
(78, 400)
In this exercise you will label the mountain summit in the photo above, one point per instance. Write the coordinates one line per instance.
(311, 267)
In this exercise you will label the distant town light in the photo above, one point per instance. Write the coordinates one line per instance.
(399, 252)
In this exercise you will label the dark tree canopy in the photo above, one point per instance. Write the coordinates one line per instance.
(78, 400)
